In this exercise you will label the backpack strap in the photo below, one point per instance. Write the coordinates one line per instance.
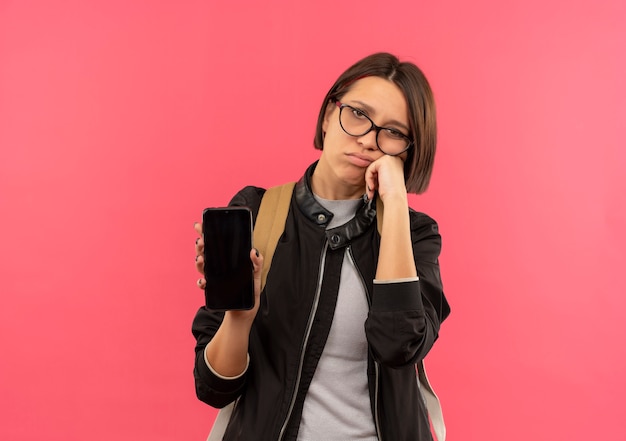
(220, 423)
(270, 223)
(433, 405)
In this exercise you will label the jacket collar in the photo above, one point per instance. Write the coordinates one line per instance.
(314, 212)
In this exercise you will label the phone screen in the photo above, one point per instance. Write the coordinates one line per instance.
(227, 266)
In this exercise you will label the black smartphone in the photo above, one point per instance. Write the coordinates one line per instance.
(228, 269)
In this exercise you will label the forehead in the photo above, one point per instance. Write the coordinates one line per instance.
(383, 97)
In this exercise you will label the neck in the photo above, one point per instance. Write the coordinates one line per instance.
(327, 185)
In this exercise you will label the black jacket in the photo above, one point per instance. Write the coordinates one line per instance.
(402, 325)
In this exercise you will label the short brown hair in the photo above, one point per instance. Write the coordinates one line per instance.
(410, 79)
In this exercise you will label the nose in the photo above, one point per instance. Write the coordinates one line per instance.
(369, 140)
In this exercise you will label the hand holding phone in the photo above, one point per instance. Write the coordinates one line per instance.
(228, 270)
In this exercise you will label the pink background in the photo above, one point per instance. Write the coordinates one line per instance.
(121, 120)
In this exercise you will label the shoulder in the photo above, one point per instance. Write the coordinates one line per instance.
(250, 197)
(422, 221)
(425, 236)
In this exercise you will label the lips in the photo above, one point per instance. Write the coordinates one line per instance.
(360, 160)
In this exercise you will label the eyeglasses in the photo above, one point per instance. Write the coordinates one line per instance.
(356, 123)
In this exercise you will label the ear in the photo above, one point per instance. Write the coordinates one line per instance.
(330, 108)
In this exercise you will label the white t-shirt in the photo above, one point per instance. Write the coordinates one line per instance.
(337, 406)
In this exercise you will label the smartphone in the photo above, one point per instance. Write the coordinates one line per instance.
(228, 269)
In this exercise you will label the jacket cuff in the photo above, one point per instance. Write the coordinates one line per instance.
(220, 384)
(397, 296)
(206, 360)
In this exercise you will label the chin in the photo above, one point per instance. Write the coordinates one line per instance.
(355, 177)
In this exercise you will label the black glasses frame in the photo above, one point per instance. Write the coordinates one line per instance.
(372, 127)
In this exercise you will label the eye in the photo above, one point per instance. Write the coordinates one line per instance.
(359, 114)
(395, 134)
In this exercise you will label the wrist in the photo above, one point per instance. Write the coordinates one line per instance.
(239, 320)
(395, 200)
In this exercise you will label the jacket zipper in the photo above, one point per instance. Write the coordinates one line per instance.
(376, 367)
(309, 325)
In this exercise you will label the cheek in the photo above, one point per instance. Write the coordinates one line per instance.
(331, 118)
(333, 135)
(327, 130)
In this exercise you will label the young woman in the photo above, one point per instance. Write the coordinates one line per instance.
(329, 350)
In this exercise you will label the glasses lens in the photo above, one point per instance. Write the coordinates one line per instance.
(392, 142)
(354, 122)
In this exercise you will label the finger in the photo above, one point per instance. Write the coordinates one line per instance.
(199, 246)
(200, 264)
(199, 241)
(201, 283)
(370, 190)
(257, 262)
(385, 176)
(371, 181)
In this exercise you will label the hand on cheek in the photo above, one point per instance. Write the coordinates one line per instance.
(386, 175)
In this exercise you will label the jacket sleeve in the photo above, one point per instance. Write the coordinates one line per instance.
(405, 316)
(211, 388)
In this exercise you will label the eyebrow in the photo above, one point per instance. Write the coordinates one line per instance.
(371, 110)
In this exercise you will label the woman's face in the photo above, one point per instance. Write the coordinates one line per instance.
(346, 157)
